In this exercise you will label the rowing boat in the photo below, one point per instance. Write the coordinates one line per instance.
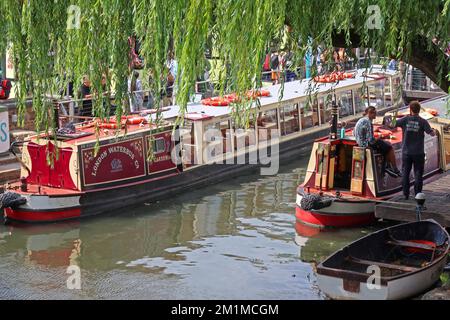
(394, 263)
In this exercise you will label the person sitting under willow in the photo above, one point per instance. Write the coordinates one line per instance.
(364, 134)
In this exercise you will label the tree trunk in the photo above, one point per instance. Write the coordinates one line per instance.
(420, 57)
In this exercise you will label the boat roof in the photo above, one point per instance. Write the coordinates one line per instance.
(292, 90)
(197, 111)
(440, 104)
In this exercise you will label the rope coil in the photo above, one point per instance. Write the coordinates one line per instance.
(11, 199)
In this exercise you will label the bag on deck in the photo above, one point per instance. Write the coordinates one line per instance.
(5, 89)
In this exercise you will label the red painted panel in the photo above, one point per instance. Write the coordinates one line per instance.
(114, 162)
(43, 173)
(162, 160)
(323, 220)
(42, 216)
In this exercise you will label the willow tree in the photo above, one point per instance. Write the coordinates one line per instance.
(57, 40)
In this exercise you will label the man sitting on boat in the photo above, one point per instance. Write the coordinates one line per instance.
(363, 132)
(413, 153)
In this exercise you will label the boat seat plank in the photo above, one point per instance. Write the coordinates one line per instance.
(383, 265)
(411, 244)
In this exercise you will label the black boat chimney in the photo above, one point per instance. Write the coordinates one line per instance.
(334, 120)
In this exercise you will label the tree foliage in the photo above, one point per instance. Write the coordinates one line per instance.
(47, 54)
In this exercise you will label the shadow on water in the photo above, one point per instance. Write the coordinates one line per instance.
(233, 240)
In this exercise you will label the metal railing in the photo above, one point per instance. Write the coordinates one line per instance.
(415, 79)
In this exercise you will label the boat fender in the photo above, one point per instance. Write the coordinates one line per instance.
(11, 199)
(315, 202)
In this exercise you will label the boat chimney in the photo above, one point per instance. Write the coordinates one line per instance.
(334, 120)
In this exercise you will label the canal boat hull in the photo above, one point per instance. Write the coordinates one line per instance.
(340, 213)
(53, 205)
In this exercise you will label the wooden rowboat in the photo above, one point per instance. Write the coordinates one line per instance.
(394, 263)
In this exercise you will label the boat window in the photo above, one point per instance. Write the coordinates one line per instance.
(289, 121)
(159, 145)
(325, 109)
(309, 115)
(226, 135)
(376, 92)
(396, 90)
(245, 135)
(345, 103)
(188, 143)
(218, 137)
(267, 122)
(360, 100)
(387, 92)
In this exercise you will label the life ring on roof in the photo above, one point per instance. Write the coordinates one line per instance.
(258, 93)
(232, 97)
(216, 102)
(334, 77)
(431, 111)
(136, 120)
(383, 134)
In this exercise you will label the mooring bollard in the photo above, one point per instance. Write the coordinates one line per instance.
(420, 199)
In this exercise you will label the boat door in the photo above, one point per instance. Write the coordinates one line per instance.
(325, 166)
(358, 169)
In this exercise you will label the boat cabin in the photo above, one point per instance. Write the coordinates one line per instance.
(340, 166)
(209, 135)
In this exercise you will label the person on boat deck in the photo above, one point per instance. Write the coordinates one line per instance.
(413, 127)
(137, 95)
(85, 93)
(364, 134)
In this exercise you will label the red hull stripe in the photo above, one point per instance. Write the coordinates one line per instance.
(42, 216)
(324, 220)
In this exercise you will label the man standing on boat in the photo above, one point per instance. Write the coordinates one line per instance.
(413, 153)
(364, 135)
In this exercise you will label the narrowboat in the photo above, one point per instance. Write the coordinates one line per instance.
(67, 176)
(343, 182)
(394, 263)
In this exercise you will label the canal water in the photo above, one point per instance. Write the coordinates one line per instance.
(233, 240)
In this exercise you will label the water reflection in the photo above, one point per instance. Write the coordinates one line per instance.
(233, 240)
(316, 244)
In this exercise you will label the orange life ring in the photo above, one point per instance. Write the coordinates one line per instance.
(216, 102)
(136, 120)
(232, 97)
(334, 77)
(258, 93)
(431, 111)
